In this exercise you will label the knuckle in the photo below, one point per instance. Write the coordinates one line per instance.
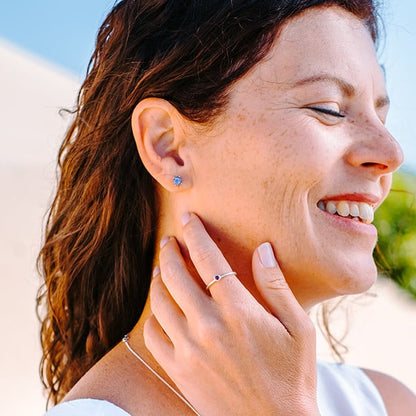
(277, 283)
(155, 289)
(149, 331)
(188, 351)
(192, 354)
(209, 331)
(237, 314)
(170, 269)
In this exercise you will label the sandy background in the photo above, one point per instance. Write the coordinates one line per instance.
(383, 328)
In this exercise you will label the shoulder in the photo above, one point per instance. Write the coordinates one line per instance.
(86, 407)
(398, 399)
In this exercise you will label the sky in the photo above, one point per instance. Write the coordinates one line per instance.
(63, 32)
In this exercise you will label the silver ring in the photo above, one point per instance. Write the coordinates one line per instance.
(218, 277)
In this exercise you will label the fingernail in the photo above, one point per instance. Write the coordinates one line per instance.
(266, 255)
(163, 241)
(156, 271)
(186, 216)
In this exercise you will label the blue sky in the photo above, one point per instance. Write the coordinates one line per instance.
(63, 32)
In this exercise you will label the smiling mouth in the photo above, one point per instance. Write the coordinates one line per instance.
(356, 211)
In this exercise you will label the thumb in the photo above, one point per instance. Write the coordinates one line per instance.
(273, 287)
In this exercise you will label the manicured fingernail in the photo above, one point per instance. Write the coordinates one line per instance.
(266, 255)
(163, 241)
(156, 271)
(186, 216)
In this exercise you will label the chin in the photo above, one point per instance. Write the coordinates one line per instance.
(358, 278)
(335, 273)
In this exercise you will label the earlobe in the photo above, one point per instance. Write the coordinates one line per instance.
(158, 132)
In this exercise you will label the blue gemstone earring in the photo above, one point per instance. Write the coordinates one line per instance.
(177, 180)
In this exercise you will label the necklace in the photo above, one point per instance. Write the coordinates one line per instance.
(126, 341)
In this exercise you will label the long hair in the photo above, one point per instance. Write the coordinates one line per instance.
(99, 241)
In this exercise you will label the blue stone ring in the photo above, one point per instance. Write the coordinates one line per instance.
(218, 277)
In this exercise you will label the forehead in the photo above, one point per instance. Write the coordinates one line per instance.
(322, 41)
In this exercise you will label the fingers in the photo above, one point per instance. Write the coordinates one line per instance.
(275, 291)
(182, 287)
(168, 314)
(157, 342)
(208, 259)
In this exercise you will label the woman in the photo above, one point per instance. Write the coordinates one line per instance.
(263, 119)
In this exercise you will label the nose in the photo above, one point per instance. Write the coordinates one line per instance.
(375, 149)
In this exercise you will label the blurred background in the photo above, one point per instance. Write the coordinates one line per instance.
(44, 51)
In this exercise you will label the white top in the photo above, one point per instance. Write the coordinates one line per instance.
(87, 407)
(342, 390)
(346, 390)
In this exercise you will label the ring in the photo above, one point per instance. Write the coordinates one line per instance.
(218, 277)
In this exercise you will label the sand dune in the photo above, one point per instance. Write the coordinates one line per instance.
(384, 331)
(31, 128)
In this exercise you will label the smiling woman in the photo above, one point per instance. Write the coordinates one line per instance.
(303, 156)
(243, 165)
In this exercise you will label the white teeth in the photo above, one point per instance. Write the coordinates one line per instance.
(343, 208)
(366, 213)
(331, 207)
(356, 210)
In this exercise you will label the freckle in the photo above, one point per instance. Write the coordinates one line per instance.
(266, 185)
(241, 117)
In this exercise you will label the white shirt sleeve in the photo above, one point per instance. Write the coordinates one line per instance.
(86, 407)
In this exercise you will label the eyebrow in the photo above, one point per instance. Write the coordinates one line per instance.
(347, 89)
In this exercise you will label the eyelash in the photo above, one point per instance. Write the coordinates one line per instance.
(327, 111)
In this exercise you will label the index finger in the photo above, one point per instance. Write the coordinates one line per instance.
(209, 260)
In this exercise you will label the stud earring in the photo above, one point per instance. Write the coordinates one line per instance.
(177, 181)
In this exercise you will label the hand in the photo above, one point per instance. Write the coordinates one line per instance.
(225, 352)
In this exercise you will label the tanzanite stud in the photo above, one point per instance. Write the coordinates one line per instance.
(177, 180)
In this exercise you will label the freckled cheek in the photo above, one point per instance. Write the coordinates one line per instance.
(274, 157)
(301, 157)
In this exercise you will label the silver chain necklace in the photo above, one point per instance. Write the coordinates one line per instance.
(126, 341)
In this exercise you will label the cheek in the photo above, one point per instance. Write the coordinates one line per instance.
(386, 181)
(258, 170)
(300, 157)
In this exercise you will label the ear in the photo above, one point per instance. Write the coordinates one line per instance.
(158, 130)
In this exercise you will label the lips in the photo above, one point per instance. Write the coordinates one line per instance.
(354, 210)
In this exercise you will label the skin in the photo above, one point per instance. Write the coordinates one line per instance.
(269, 158)
(256, 175)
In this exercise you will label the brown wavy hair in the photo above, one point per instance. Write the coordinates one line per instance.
(100, 234)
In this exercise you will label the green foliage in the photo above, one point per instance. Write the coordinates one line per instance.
(396, 224)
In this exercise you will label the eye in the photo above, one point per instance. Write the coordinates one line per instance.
(327, 111)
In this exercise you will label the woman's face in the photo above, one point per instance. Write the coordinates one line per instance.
(303, 134)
